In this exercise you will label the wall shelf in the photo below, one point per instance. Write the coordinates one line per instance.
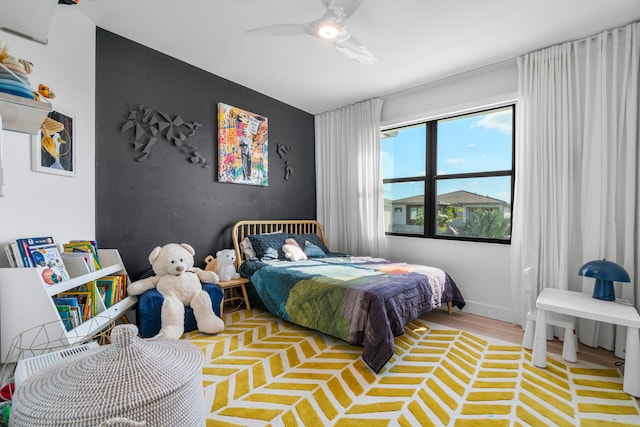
(21, 114)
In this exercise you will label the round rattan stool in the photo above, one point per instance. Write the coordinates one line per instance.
(131, 382)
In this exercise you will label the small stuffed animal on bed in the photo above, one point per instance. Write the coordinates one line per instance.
(292, 250)
(226, 269)
(181, 285)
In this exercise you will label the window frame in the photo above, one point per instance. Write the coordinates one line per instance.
(431, 176)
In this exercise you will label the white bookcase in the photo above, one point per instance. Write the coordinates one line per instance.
(29, 319)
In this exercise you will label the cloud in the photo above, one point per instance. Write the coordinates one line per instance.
(471, 145)
(500, 121)
(460, 160)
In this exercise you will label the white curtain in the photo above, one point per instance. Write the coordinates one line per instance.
(577, 177)
(348, 178)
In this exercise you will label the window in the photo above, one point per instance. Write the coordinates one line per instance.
(451, 177)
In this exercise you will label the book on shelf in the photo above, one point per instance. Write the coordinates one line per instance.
(111, 288)
(84, 301)
(39, 252)
(87, 257)
(70, 300)
(10, 257)
(21, 259)
(25, 245)
(65, 314)
(49, 262)
(88, 246)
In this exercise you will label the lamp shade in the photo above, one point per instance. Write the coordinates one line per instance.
(605, 272)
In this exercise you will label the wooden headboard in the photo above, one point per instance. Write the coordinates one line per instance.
(294, 226)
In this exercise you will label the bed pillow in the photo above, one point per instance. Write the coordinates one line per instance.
(247, 249)
(268, 246)
(312, 238)
(313, 251)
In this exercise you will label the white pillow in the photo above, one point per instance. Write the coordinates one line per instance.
(247, 249)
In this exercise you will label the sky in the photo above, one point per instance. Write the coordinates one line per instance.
(471, 143)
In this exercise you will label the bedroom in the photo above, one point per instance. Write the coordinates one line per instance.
(85, 195)
(69, 63)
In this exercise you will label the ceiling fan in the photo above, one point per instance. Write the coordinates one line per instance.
(332, 26)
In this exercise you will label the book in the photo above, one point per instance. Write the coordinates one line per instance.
(110, 287)
(25, 244)
(88, 246)
(72, 303)
(105, 287)
(85, 256)
(49, 262)
(10, 257)
(20, 260)
(65, 314)
(76, 316)
(84, 301)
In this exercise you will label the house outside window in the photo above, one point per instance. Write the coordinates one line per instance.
(451, 177)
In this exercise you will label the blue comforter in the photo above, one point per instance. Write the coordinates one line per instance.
(362, 300)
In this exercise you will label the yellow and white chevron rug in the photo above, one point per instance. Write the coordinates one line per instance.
(263, 371)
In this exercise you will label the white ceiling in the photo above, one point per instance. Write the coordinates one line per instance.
(415, 41)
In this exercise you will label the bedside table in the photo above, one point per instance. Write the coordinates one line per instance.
(228, 287)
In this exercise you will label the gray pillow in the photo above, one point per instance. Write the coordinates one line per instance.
(311, 238)
(263, 242)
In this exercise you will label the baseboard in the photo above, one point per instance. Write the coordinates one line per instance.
(490, 311)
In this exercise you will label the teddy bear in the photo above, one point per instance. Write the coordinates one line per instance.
(292, 250)
(181, 285)
(226, 269)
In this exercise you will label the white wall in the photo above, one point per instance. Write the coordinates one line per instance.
(481, 270)
(43, 204)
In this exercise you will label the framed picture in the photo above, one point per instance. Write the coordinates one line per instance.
(54, 150)
(242, 146)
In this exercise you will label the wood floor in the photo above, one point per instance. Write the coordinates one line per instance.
(513, 333)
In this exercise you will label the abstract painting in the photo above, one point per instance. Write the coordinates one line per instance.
(242, 146)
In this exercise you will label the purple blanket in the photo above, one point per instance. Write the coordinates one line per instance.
(363, 301)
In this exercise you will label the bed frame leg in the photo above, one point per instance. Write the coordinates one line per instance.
(450, 306)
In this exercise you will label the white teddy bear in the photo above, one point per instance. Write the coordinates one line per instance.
(226, 269)
(181, 285)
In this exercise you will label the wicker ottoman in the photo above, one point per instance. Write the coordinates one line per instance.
(131, 382)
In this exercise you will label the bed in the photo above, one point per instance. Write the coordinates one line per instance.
(364, 301)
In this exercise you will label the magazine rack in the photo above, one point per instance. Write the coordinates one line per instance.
(26, 303)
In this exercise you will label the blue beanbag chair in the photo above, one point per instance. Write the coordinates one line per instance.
(148, 311)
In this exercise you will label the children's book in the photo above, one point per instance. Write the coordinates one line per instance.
(76, 316)
(65, 314)
(88, 246)
(20, 260)
(10, 257)
(72, 302)
(84, 301)
(47, 259)
(87, 257)
(25, 244)
(106, 286)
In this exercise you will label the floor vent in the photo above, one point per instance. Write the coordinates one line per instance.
(27, 367)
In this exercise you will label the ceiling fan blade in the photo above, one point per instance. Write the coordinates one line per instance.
(348, 7)
(280, 30)
(353, 49)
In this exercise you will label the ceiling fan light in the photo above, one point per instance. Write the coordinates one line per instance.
(328, 31)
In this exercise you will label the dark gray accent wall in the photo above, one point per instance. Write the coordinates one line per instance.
(166, 199)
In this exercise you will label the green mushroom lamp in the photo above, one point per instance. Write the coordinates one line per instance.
(605, 272)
